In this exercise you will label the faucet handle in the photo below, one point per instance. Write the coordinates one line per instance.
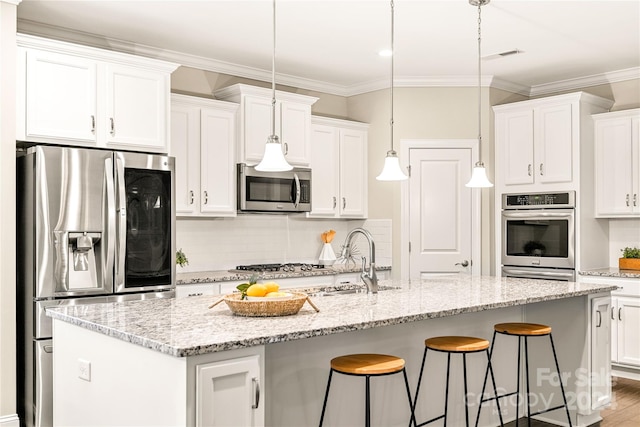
(364, 263)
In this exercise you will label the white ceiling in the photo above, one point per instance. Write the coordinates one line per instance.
(332, 45)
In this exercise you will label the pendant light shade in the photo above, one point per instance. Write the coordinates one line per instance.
(391, 170)
(479, 176)
(273, 159)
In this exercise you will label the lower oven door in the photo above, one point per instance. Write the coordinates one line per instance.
(539, 238)
(561, 274)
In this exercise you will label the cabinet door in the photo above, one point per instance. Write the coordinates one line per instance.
(257, 128)
(217, 167)
(228, 393)
(136, 107)
(353, 173)
(635, 154)
(600, 352)
(325, 160)
(185, 148)
(514, 138)
(553, 144)
(614, 166)
(60, 97)
(628, 313)
(295, 122)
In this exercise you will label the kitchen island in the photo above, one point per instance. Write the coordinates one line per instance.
(177, 362)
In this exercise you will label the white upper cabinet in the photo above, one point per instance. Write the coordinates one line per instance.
(538, 142)
(203, 144)
(338, 168)
(76, 95)
(292, 122)
(617, 157)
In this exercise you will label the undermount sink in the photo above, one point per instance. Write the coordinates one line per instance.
(345, 289)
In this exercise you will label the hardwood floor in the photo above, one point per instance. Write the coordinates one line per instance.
(623, 412)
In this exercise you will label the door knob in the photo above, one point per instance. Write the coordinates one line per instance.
(464, 263)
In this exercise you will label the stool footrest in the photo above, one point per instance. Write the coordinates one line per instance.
(430, 421)
(546, 410)
(498, 397)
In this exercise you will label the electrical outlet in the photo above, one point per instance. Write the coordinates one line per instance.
(84, 369)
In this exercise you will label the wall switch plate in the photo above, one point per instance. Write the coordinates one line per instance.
(84, 369)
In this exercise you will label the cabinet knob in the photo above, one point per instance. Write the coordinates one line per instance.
(529, 169)
(335, 202)
(627, 199)
(541, 168)
(599, 321)
(256, 395)
(112, 126)
(93, 124)
(286, 148)
(344, 203)
(191, 197)
(206, 197)
(635, 200)
(620, 314)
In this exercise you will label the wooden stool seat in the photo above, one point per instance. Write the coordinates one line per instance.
(457, 344)
(367, 364)
(522, 329)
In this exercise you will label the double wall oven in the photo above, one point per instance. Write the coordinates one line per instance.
(538, 235)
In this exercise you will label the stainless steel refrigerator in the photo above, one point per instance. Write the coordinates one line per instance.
(92, 226)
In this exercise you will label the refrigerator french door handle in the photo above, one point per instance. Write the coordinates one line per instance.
(121, 225)
(108, 258)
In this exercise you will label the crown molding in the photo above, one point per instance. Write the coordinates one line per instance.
(13, 2)
(588, 81)
(208, 64)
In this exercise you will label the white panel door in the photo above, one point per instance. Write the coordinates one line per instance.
(325, 161)
(600, 351)
(295, 128)
(553, 142)
(628, 336)
(440, 211)
(185, 148)
(257, 128)
(514, 139)
(353, 174)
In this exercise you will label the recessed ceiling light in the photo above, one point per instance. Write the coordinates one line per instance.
(385, 52)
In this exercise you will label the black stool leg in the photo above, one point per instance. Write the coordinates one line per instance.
(326, 396)
(415, 398)
(495, 389)
(466, 392)
(406, 383)
(486, 373)
(564, 398)
(526, 362)
(446, 393)
(367, 404)
(518, 383)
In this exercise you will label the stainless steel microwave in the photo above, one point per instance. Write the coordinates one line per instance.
(288, 191)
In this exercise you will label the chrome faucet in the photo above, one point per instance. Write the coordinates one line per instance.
(369, 277)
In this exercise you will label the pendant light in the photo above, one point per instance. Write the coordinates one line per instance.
(273, 159)
(391, 170)
(479, 176)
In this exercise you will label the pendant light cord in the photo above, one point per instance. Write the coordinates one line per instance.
(479, 83)
(273, 76)
(393, 53)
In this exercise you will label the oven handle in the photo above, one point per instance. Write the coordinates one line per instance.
(536, 274)
(509, 214)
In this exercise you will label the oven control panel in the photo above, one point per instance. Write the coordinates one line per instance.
(557, 200)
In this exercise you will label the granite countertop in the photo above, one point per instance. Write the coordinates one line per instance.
(229, 276)
(611, 272)
(186, 326)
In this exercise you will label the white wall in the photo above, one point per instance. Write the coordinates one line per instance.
(7, 214)
(622, 233)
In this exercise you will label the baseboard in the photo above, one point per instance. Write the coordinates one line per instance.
(9, 421)
(625, 372)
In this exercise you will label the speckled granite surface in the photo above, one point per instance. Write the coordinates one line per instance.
(611, 272)
(186, 326)
(229, 276)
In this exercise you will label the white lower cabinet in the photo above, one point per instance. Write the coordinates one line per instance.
(600, 353)
(339, 168)
(625, 314)
(203, 144)
(228, 393)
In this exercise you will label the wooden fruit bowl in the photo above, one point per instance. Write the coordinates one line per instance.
(265, 307)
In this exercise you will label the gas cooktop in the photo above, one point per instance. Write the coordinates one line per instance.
(289, 267)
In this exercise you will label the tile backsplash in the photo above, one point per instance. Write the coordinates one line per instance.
(221, 244)
(622, 233)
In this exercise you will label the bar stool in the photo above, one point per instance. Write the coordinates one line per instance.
(455, 345)
(524, 331)
(367, 365)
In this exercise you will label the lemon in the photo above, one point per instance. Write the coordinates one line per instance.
(276, 294)
(272, 287)
(257, 290)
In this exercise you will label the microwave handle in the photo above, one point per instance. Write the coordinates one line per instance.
(297, 190)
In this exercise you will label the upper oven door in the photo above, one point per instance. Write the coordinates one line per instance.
(145, 220)
(540, 238)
